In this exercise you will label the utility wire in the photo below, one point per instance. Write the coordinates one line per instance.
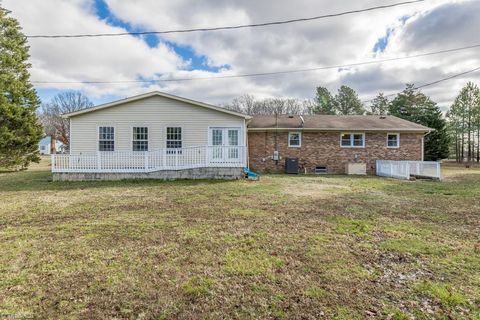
(432, 83)
(243, 26)
(265, 73)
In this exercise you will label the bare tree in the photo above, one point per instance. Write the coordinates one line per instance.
(248, 104)
(51, 114)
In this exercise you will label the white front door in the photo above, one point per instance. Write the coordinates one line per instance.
(224, 144)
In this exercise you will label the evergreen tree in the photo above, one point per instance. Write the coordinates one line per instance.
(379, 105)
(465, 121)
(324, 102)
(412, 105)
(347, 102)
(20, 130)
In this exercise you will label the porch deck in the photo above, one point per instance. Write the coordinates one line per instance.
(151, 161)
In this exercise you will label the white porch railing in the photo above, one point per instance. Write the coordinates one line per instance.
(407, 169)
(149, 161)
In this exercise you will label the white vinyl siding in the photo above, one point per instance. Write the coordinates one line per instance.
(156, 113)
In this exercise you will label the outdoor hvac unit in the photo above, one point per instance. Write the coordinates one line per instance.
(291, 165)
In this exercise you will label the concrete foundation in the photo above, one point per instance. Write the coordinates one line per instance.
(193, 174)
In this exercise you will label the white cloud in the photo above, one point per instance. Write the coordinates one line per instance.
(433, 25)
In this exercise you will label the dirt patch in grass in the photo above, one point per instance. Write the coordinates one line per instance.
(286, 247)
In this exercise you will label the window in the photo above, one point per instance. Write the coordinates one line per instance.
(352, 140)
(140, 139)
(106, 139)
(174, 138)
(294, 139)
(43, 148)
(393, 140)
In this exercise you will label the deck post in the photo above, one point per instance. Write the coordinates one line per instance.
(146, 161)
(99, 162)
(53, 162)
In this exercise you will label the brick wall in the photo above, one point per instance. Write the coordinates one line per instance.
(323, 149)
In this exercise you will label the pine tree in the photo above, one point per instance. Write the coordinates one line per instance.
(464, 115)
(379, 105)
(347, 102)
(20, 130)
(412, 105)
(324, 102)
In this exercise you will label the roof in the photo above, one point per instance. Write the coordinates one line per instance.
(46, 140)
(153, 94)
(334, 123)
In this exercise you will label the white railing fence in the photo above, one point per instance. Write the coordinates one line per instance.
(149, 161)
(407, 169)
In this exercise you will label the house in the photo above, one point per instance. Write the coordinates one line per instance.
(162, 136)
(154, 135)
(45, 146)
(327, 143)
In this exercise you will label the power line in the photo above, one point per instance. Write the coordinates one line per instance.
(433, 83)
(265, 73)
(243, 26)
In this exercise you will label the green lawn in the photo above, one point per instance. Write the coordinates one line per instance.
(301, 247)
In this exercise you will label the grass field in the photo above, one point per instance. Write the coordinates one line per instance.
(287, 247)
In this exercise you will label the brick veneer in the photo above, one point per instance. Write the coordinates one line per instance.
(323, 149)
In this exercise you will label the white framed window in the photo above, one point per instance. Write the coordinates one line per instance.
(294, 139)
(393, 140)
(43, 148)
(174, 139)
(352, 140)
(140, 139)
(106, 139)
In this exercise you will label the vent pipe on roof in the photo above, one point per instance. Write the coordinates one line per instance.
(303, 121)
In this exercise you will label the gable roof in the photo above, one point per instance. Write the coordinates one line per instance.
(153, 94)
(334, 123)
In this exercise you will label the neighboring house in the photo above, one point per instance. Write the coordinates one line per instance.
(326, 143)
(45, 146)
(154, 135)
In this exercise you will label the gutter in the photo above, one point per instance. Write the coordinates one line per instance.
(344, 129)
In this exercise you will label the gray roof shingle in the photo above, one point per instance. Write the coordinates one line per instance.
(335, 123)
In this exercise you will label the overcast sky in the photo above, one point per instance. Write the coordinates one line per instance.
(411, 29)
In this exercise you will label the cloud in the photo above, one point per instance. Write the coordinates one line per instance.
(431, 25)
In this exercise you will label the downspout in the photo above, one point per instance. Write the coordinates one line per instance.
(423, 145)
(275, 137)
(247, 150)
(302, 126)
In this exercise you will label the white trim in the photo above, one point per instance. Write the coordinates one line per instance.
(351, 139)
(165, 138)
(240, 132)
(135, 125)
(97, 147)
(152, 94)
(299, 139)
(398, 140)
